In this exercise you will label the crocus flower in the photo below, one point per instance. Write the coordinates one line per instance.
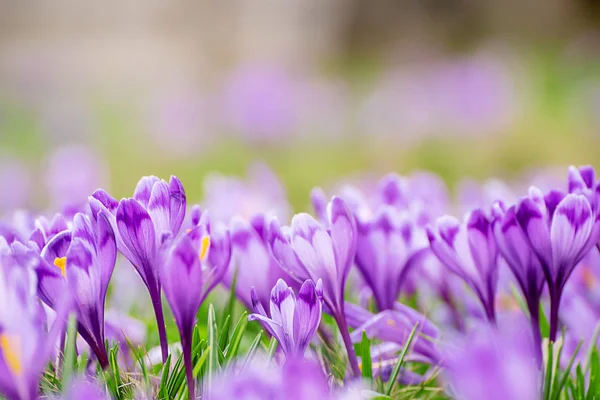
(468, 249)
(561, 229)
(296, 380)
(394, 326)
(389, 245)
(254, 265)
(193, 266)
(25, 343)
(81, 262)
(513, 245)
(311, 251)
(293, 321)
(141, 225)
(83, 388)
(494, 364)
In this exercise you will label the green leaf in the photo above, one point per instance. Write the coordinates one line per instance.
(228, 310)
(549, 371)
(213, 363)
(398, 365)
(566, 374)
(365, 355)
(271, 349)
(236, 337)
(224, 333)
(544, 324)
(69, 352)
(201, 361)
(252, 349)
(164, 378)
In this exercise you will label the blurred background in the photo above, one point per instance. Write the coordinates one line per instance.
(97, 94)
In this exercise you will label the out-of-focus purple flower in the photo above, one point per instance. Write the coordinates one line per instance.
(394, 326)
(255, 266)
(561, 229)
(25, 344)
(469, 250)
(260, 103)
(193, 265)
(494, 364)
(472, 194)
(261, 192)
(83, 388)
(128, 332)
(292, 321)
(72, 173)
(309, 250)
(296, 380)
(389, 245)
(513, 245)
(15, 184)
(81, 262)
(141, 224)
(180, 121)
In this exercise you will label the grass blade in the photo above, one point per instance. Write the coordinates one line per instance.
(365, 357)
(398, 365)
(70, 358)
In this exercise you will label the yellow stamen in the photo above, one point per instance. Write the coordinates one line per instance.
(205, 245)
(391, 322)
(61, 263)
(10, 352)
(188, 230)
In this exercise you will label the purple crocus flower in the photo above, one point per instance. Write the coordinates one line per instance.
(561, 229)
(513, 245)
(311, 251)
(469, 250)
(141, 225)
(83, 388)
(296, 380)
(25, 343)
(389, 245)
(292, 321)
(494, 364)
(193, 265)
(255, 266)
(81, 261)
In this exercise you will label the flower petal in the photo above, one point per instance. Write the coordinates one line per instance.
(143, 190)
(178, 204)
(307, 314)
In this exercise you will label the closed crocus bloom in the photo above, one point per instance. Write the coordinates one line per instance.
(389, 245)
(292, 321)
(254, 265)
(193, 265)
(311, 251)
(469, 250)
(142, 223)
(81, 261)
(25, 344)
(561, 229)
(514, 247)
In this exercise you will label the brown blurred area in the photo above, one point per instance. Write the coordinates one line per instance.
(66, 46)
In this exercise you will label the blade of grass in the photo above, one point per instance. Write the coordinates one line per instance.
(252, 349)
(398, 365)
(365, 357)
(236, 337)
(566, 373)
(549, 371)
(69, 351)
(271, 350)
(212, 347)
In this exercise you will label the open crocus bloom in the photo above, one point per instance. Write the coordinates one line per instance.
(293, 321)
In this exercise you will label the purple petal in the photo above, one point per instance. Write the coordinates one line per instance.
(343, 238)
(143, 190)
(318, 200)
(178, 204)
(571, 227)
(158, 207)
(531, 220)
(182, 280)
(307, 314)
(282, 251)
(391, 189)
(282, 306)
(137, 232)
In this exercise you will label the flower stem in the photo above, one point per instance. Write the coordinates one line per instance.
(340, 319)
(534, 314)
(160, 321)
(555, 296)
(186, 347)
